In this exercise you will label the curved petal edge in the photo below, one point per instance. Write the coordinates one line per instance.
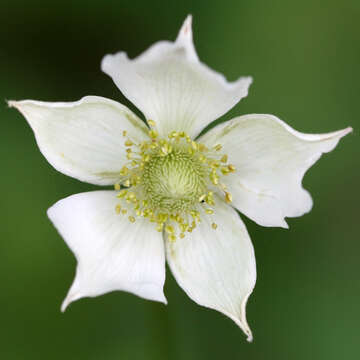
(111, 252)
(172, 87)
(83, 139)
(216, 268)
(271, 159)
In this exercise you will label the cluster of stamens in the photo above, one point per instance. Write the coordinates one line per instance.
(171, 181)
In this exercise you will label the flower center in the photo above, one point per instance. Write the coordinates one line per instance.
(174, 182)
(171, 181)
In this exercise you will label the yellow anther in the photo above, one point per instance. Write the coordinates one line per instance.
(214, 226)
(162, 217)
(124, 133)
(202, 158)
(225, 170)
(195, 214)
(228, 197)
(224, 158)
(144, 146)
(218, 147)
(182, 235)
(169, 229)
(172, 238)
(209, 211)
(153, 134)
(202, 197)
(231, 168)
(124, 171)
(214, 164)
(214, 178)
(117, 209)
(146, 157)
(129, 156)
(124, 211)
(160, 227)
(129, 143)
(121, 194)
(202, 147)
(131, 195)
(182, 134)
(126, 183)
(117, 187)
(194, 145)
(173, 134)
(131, 219)
(165, 149)
(210, 199)
(151, 123)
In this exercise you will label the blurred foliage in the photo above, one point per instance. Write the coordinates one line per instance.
(304, 57)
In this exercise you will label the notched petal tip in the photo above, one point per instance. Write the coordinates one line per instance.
(15, 104)
(11, 103)
(70, 297)
(162, 299)
(154, 292)
(186, 29)
(346, 131)
(241, 320)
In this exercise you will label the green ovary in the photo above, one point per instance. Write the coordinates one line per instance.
(174, 182)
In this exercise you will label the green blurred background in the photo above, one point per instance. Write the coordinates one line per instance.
(304, 57)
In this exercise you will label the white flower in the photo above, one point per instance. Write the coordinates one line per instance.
(172, 190)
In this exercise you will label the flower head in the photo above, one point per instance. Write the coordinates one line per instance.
(175, 193)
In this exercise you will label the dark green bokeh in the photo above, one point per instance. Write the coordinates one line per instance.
(304, 57)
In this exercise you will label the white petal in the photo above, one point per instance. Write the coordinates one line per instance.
(271, 159)
(216, 268)
(83, 139)
(112, 253)
(170, 86)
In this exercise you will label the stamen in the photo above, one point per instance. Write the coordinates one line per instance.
(153, 134)
(228, 197)
(172, 181)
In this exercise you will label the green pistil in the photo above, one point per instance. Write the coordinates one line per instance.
(174, 182)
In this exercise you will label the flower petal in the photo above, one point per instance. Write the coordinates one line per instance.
(83, 139)
(271, 159)
(216, 268)
(170, 86)
(112, 253)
